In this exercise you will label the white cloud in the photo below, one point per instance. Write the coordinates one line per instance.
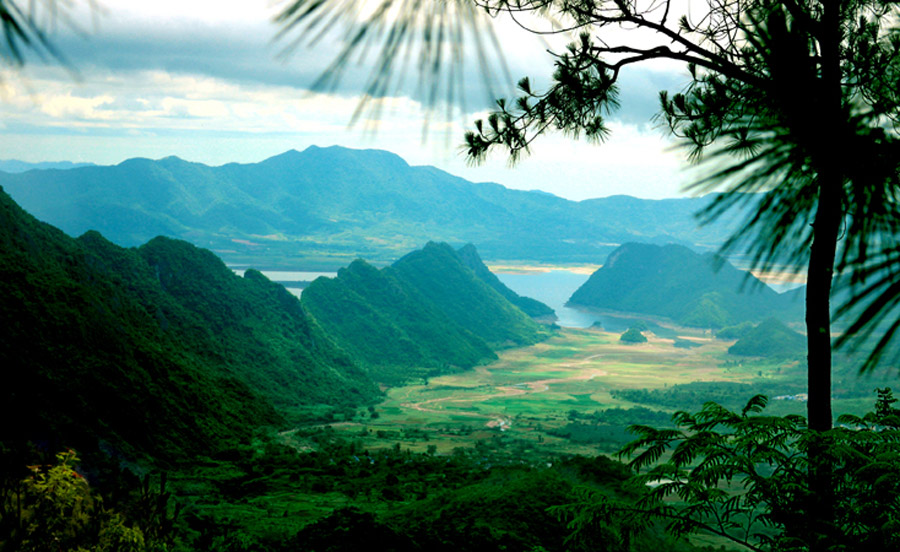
(198, 79)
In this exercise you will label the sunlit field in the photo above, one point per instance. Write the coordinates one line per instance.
(531, 392)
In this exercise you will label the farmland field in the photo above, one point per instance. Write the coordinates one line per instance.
(532, 395)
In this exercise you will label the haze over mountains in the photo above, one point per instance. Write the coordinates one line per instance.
(335, 204)
(16, 166)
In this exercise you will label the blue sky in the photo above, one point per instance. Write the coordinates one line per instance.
(203, 80)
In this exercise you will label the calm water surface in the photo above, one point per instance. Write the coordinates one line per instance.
(555, 287)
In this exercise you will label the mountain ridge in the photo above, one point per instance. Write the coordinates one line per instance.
(103, 344)
(427, 314)
(338, 204)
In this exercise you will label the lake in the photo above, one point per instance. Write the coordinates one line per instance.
(556, 286)
(293, 280)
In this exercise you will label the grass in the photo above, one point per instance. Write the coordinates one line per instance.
(530, 390)
(527, 393)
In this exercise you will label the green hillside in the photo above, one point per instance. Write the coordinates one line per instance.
(532, 307)
(158, 351)
(332, 205)
(687, 287)
(389, 326)
(427, 314)
(439, 274)
(258, 328)
(770, 339)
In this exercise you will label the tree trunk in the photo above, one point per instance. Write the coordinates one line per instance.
(820, 508)
(818, 302)
(821, 524)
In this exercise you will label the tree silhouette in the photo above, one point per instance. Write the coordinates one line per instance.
(790, 109)
(23, 30)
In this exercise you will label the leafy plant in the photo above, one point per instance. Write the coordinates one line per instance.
(744, 477)
(56, 510)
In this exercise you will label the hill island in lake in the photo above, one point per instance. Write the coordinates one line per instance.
(692, 289)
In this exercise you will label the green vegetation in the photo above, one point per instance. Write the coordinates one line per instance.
(425, 315)
(771, 339)
(735, 332)
(632, 335)
(158, 351)
(438, 273)
(743, 476)
(696, 290)
(533, 308)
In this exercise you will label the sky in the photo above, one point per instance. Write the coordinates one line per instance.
(207, 81)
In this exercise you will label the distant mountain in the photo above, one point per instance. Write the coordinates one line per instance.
(158, 351)
(771, 339)
(693, 289)
(427, 314)
(14, 166)
(336, 204)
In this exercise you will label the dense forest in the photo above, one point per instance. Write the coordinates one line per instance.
(426, 314)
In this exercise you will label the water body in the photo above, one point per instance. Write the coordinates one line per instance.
(293, 280)
(288, 275)
(556, 286)
(552, 288)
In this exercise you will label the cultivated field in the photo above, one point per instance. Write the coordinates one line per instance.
(531, 394)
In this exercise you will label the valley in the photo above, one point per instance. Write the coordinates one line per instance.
(541, 409)
(530, 395)
(414, 393)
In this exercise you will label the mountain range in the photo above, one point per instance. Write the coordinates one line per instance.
(329, 206)
(16, 166)
(163, 351)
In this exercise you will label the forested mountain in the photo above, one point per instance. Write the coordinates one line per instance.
(162, 350)
(532, 307)
(426, 314)
(159, 350)
(338, 204)
(693, 289)
(437, 272)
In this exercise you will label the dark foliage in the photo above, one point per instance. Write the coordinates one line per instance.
(136, 350)
(770, 339)
(632, 335)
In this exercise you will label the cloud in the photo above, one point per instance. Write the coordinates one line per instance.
(202, 80)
